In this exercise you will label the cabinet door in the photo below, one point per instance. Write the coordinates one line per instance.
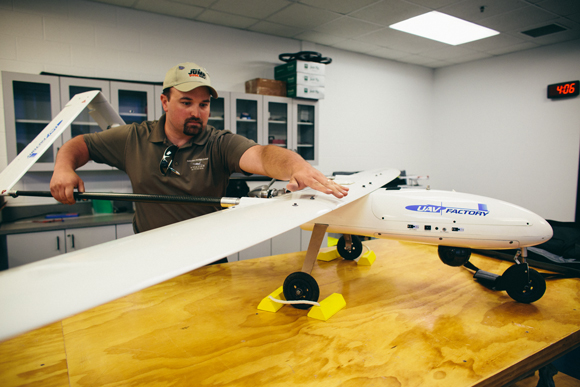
(305, 239)
(34, 246)
(124, 230)
(134, 102)
(84, 123)
(305, 115)
(220, 111)
(278, 121)
(246, 116)
(30, 103)
(262, 249)
(288, 242)
(79, 238)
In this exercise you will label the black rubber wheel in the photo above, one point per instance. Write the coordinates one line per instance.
(522, 289)
(300, 286)
(355, 251)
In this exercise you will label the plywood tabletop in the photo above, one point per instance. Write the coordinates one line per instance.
(409, 320)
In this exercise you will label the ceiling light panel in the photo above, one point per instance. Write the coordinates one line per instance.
(444, 28)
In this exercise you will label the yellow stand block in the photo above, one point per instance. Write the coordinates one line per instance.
(328, 307)
(328, 256)
(271, 306)
(367, 258)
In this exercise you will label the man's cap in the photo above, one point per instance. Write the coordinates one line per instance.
(187, 76)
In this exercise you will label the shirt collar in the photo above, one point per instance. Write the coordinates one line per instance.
(158, 134)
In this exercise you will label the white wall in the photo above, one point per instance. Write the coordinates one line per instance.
(504, 140)
(497, 134)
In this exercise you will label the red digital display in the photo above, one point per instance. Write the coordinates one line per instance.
(563, 90)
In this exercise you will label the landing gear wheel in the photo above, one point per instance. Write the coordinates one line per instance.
(524, 284)
(355, 251)
(300, 286)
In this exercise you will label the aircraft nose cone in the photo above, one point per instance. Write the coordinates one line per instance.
(543, 230)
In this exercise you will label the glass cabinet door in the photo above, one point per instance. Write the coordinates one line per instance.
(306, 119)
(220, 110)
(30, 103)
(277, 119)
(246, 116)
(134, 102)
(84, 123)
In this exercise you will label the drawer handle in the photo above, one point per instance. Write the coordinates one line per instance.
(57, 243)
(72, 240)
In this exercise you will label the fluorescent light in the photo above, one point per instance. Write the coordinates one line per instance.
(444, 28)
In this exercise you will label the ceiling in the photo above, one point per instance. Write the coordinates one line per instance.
(363, 25)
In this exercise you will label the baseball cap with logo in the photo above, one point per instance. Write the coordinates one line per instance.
(187, 76)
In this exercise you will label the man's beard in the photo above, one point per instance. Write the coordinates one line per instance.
(192, 127)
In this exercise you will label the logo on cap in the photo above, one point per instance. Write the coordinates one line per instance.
(197, 73)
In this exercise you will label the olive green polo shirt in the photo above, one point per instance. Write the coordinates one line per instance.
(205, 164)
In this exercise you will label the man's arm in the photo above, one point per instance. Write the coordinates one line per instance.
(283, 164)
(72, 155)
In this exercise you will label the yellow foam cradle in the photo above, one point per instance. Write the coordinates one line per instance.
(328, 307)
(328, 256)
(367, 258)
(271, 306)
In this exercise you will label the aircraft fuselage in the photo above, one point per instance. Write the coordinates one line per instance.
(438, 218)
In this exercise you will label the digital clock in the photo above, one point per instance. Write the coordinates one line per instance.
(563, 90)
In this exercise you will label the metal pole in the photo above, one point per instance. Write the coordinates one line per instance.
(146, 198)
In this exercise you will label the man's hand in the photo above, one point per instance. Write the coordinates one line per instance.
(311, 177)
(62, 186)
(73, 154)
(283, 164)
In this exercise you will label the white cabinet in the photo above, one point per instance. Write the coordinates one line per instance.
(30, 103)
(286, 122)
(84, 123)
(80, 238)
(278, 121)
(135, 102)
(34, 246)
(246, 117)
(220, 111)
(289, 242)
(124, 230)
(305, 119)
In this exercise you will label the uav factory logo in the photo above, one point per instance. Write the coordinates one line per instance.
(480, 211)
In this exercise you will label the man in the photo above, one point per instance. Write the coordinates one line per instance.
(180, 155)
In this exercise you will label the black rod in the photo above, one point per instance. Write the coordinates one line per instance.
(146, 198)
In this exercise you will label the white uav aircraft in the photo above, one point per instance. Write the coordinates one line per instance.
(47, 291)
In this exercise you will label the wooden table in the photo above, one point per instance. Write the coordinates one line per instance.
(409, 321)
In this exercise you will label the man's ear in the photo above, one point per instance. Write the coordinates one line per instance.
(164, 102)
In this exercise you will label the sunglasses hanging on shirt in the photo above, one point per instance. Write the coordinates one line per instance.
(165, 166)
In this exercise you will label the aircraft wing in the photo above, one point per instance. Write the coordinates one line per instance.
(50, 290)
(99, 109)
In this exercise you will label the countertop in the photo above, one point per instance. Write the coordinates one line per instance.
(36, 224)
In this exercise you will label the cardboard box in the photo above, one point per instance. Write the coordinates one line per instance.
(302, 91)
(303, 79)
(299, 66)
(266, 87)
